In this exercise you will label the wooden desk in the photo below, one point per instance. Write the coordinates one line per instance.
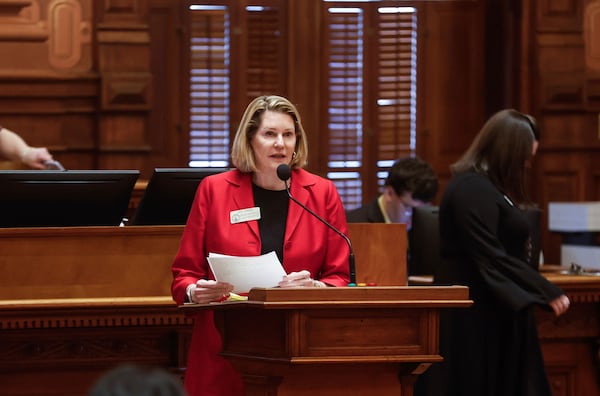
(570, 343)
(77, 301)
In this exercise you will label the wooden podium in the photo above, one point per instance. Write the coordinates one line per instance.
(334, 341)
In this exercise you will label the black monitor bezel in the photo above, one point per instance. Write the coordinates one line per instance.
(53, 198)
(168, 196)
(424, 241)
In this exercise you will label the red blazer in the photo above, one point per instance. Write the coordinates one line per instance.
(308, 245)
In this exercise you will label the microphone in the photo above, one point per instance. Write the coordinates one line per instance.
(284, 173)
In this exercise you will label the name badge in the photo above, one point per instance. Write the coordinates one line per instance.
(243, 215)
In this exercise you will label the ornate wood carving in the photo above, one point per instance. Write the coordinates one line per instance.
(559, 15)
(121, 6)
(71, 313)
(20, 21)
(68, 33)
(126, 91)
(591, 36)
(570, 342)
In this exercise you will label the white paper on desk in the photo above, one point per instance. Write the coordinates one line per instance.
(247, 272)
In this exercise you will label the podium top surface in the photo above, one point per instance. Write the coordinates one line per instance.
(344, 297)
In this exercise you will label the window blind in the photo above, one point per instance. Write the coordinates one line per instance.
(370, 52)
(209, 86)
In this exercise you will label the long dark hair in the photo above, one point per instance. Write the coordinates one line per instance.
(501, 151)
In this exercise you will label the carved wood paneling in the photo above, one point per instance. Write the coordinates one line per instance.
(65, 355)
(128, 91)
(595, 188)
(565, 376)
(71, 348)
(559, 15)
(46, 35)
(68, 33)
(451, 87)
(591, 34)
(20, 21)
(568, 131)
(560, 178)
(562, 92)
(570, 342)
(592, 94)
(126, 80)
(58, 113)
(564, 95)
(121, 12)
(561, 70)
(122, 6)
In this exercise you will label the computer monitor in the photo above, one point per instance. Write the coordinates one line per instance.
(169, 195)
(424, 241)
(49, 198)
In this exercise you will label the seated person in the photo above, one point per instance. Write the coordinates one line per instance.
(14, 148)
(411, 182)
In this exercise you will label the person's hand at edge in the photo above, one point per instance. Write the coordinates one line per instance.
(36, 157)
(299, 279)
(205, 291)
(560, 305)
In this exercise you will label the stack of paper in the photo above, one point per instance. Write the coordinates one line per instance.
(244, 273)
(574, 216)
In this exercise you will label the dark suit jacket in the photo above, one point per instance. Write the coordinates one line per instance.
(368, 213)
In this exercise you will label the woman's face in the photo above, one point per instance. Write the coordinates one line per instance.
(274, 141)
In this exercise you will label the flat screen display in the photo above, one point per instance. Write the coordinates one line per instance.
(169, 195)
(424, 241)
(52, 198)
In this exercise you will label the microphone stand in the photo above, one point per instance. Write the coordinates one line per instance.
(351, 263)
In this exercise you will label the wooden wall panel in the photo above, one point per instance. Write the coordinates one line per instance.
(21, 21)
(124, 69)
(595, 166)
(68, 33)
(565, 97)
(562, 178)
(591, 26)
(559, 15)
(167, 128)
(451, 88)
(119, 86)
(305, 26)
(48, 89)
(568, 131)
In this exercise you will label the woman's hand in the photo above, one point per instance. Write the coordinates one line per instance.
(560, 305)
(205, 291)
(300, 279)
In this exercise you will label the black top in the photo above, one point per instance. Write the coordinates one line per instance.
(490, 348)
(273, 216)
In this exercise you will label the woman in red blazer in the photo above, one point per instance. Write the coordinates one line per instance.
(247, 212)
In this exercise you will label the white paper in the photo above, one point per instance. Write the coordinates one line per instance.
(244, 273)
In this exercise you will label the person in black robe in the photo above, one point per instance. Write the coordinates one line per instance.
(492, 347)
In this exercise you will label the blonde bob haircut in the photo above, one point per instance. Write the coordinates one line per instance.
(242, 154)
